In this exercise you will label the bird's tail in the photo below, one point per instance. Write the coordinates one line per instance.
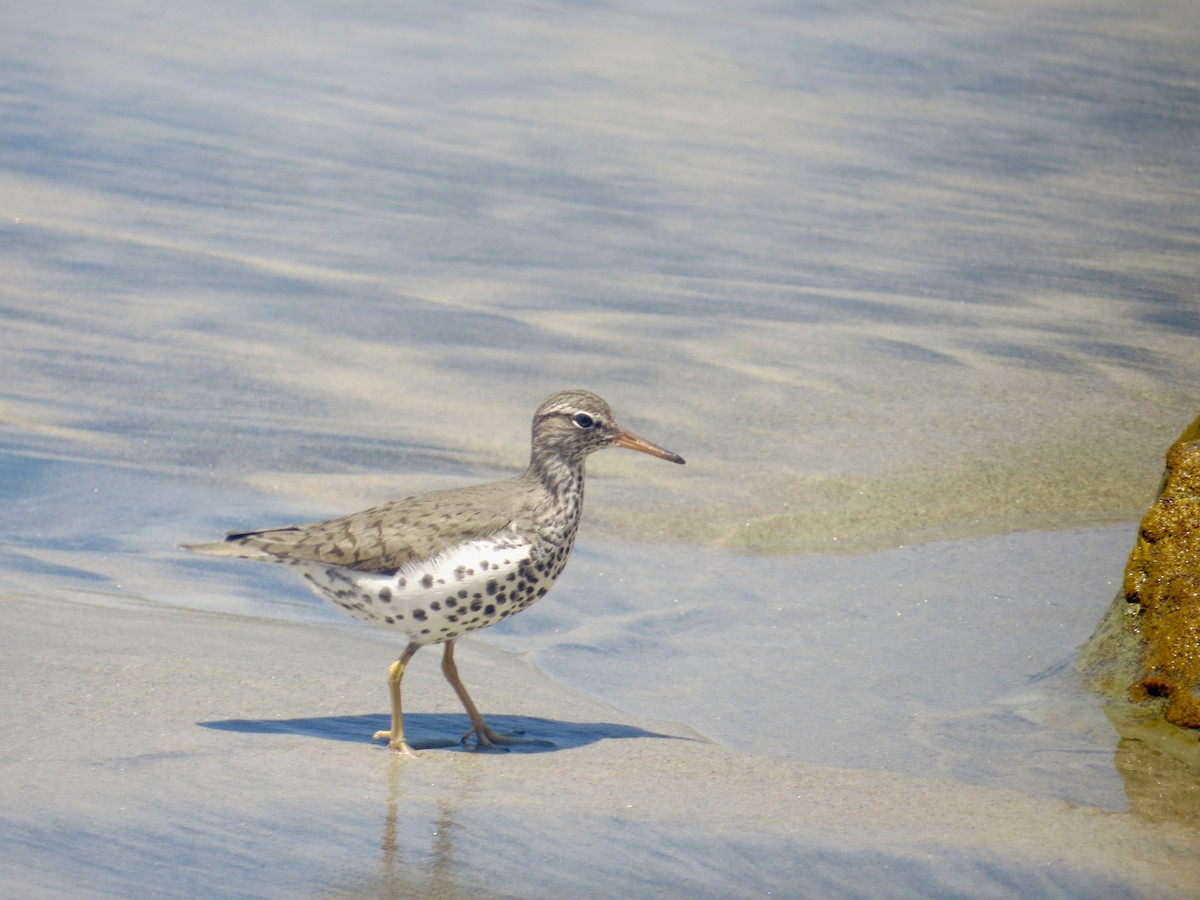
(231, 546)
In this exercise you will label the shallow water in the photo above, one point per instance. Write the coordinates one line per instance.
(879, 272)
(912, 289)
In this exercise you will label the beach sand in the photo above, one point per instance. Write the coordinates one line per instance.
(912, 289)
(155, 750)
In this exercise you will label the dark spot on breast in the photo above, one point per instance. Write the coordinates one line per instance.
(489, 610)
(492, 587)
(435, 606)
(427, 581)
(385, 595)
(419, 615)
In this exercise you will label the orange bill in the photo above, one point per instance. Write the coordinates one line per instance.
(631, 441)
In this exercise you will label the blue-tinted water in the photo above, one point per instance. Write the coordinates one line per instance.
(913, 283)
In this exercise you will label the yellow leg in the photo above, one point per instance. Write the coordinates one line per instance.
(395, 737)
(484, 735)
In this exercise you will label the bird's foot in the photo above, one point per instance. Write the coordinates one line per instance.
(399, 745)
(486, 739)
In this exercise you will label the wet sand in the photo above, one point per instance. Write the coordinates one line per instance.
(912, 289)
(903, 723)
(176, 752)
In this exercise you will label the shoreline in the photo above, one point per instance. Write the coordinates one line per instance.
(151, 796)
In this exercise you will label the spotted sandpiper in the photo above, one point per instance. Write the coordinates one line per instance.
(439, 565)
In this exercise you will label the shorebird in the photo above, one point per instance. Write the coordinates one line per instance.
(436, 566)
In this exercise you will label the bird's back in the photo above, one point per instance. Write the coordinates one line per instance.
(385, 538)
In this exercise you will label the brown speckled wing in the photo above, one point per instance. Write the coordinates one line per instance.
(384, 538)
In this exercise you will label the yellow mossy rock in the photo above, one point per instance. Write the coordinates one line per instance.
(1162, 586)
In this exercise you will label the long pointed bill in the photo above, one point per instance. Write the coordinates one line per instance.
(631, 441)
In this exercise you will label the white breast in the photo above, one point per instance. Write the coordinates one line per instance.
(464, 588)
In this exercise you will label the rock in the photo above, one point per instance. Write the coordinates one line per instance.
(1162, 584)
(1145, 654)
(1147, 647)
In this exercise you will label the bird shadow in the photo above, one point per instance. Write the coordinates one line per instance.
(443, 731)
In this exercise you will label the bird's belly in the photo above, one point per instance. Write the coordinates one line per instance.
(464, 589)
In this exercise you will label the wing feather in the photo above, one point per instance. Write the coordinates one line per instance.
(384, 538)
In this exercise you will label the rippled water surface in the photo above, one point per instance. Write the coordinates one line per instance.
(913, 287)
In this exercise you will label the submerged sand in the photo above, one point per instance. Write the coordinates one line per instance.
(912, 282)
(171, 752)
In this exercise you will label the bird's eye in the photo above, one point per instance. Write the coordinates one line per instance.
(583, 420)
